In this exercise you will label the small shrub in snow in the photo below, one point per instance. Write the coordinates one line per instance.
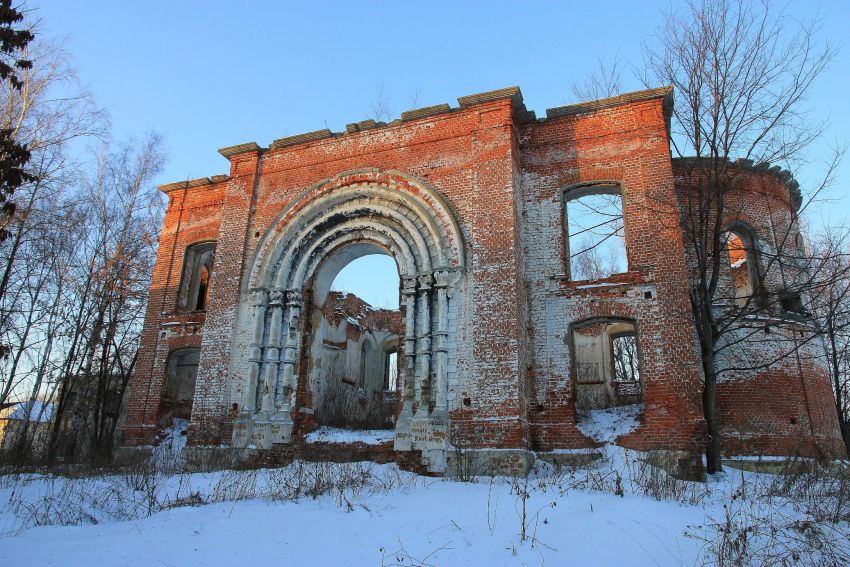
(143, 490)
(647, 479)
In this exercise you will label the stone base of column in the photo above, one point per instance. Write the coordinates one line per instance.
(263, 431)
(243, 428)
(281, 427)
(261, 437)
(403, 429)
(425, 433)
(467, 464)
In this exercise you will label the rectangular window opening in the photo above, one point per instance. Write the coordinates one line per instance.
(625, 353)
(391, 378)
(195, 282)
(596, 238)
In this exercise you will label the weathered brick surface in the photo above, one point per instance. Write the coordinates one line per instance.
(777, 399)
(509, 377)
(193, 215)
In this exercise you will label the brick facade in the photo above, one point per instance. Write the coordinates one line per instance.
(470, 203)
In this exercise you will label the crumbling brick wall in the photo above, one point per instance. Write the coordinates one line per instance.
(349, 363)
(499, 175)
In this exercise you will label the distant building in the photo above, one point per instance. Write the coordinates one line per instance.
(38, 421)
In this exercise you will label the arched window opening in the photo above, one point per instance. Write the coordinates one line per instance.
(197, 271)
(357, 330)
(595, 232)
(742, 265)
(606, 363)
(181, 372)
(203, 286)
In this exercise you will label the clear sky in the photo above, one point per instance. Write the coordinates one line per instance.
(209, 74)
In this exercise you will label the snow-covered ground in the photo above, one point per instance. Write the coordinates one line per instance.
(326, 434)
(616, 511)
(433, 521)
(608, 424)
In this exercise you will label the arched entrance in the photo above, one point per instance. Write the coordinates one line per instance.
(351, 332)
(355, 213)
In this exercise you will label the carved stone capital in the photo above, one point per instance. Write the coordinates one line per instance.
(443, 278)
(276, 297)
(425, 281)
(408, 285)
(258, 296)
(294, 297)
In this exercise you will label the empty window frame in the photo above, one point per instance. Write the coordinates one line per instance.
(606, 364)
(197, 271)
(180, 376)
(743, 265)
(391, 371)
(792, 302)
(595, 231)
(625, 358)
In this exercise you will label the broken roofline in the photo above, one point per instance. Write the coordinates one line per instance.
(513, 93)
(342, 295)
(522, 114)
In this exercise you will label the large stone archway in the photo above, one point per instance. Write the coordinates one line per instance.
(355, 213)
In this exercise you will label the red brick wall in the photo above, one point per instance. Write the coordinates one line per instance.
(776, 401)
(627, 145)
(503, 176)
(192, 216)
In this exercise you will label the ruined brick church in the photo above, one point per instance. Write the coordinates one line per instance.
(513, 323)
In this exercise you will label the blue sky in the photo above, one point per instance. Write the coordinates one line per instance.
(212, 74)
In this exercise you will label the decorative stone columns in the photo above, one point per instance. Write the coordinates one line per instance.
(442, 281)
(423, 345)
(257, 301)
(266, 413)
(272, 354)
(243, 431)
(286, 389)
(410, 390)
(426, 298)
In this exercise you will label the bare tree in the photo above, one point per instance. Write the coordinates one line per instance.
(75, 270)
(603, 82)
(415, 98)
(740, 73)
(380, 105)
(115, 263)
(831, 306)
(48, 113)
